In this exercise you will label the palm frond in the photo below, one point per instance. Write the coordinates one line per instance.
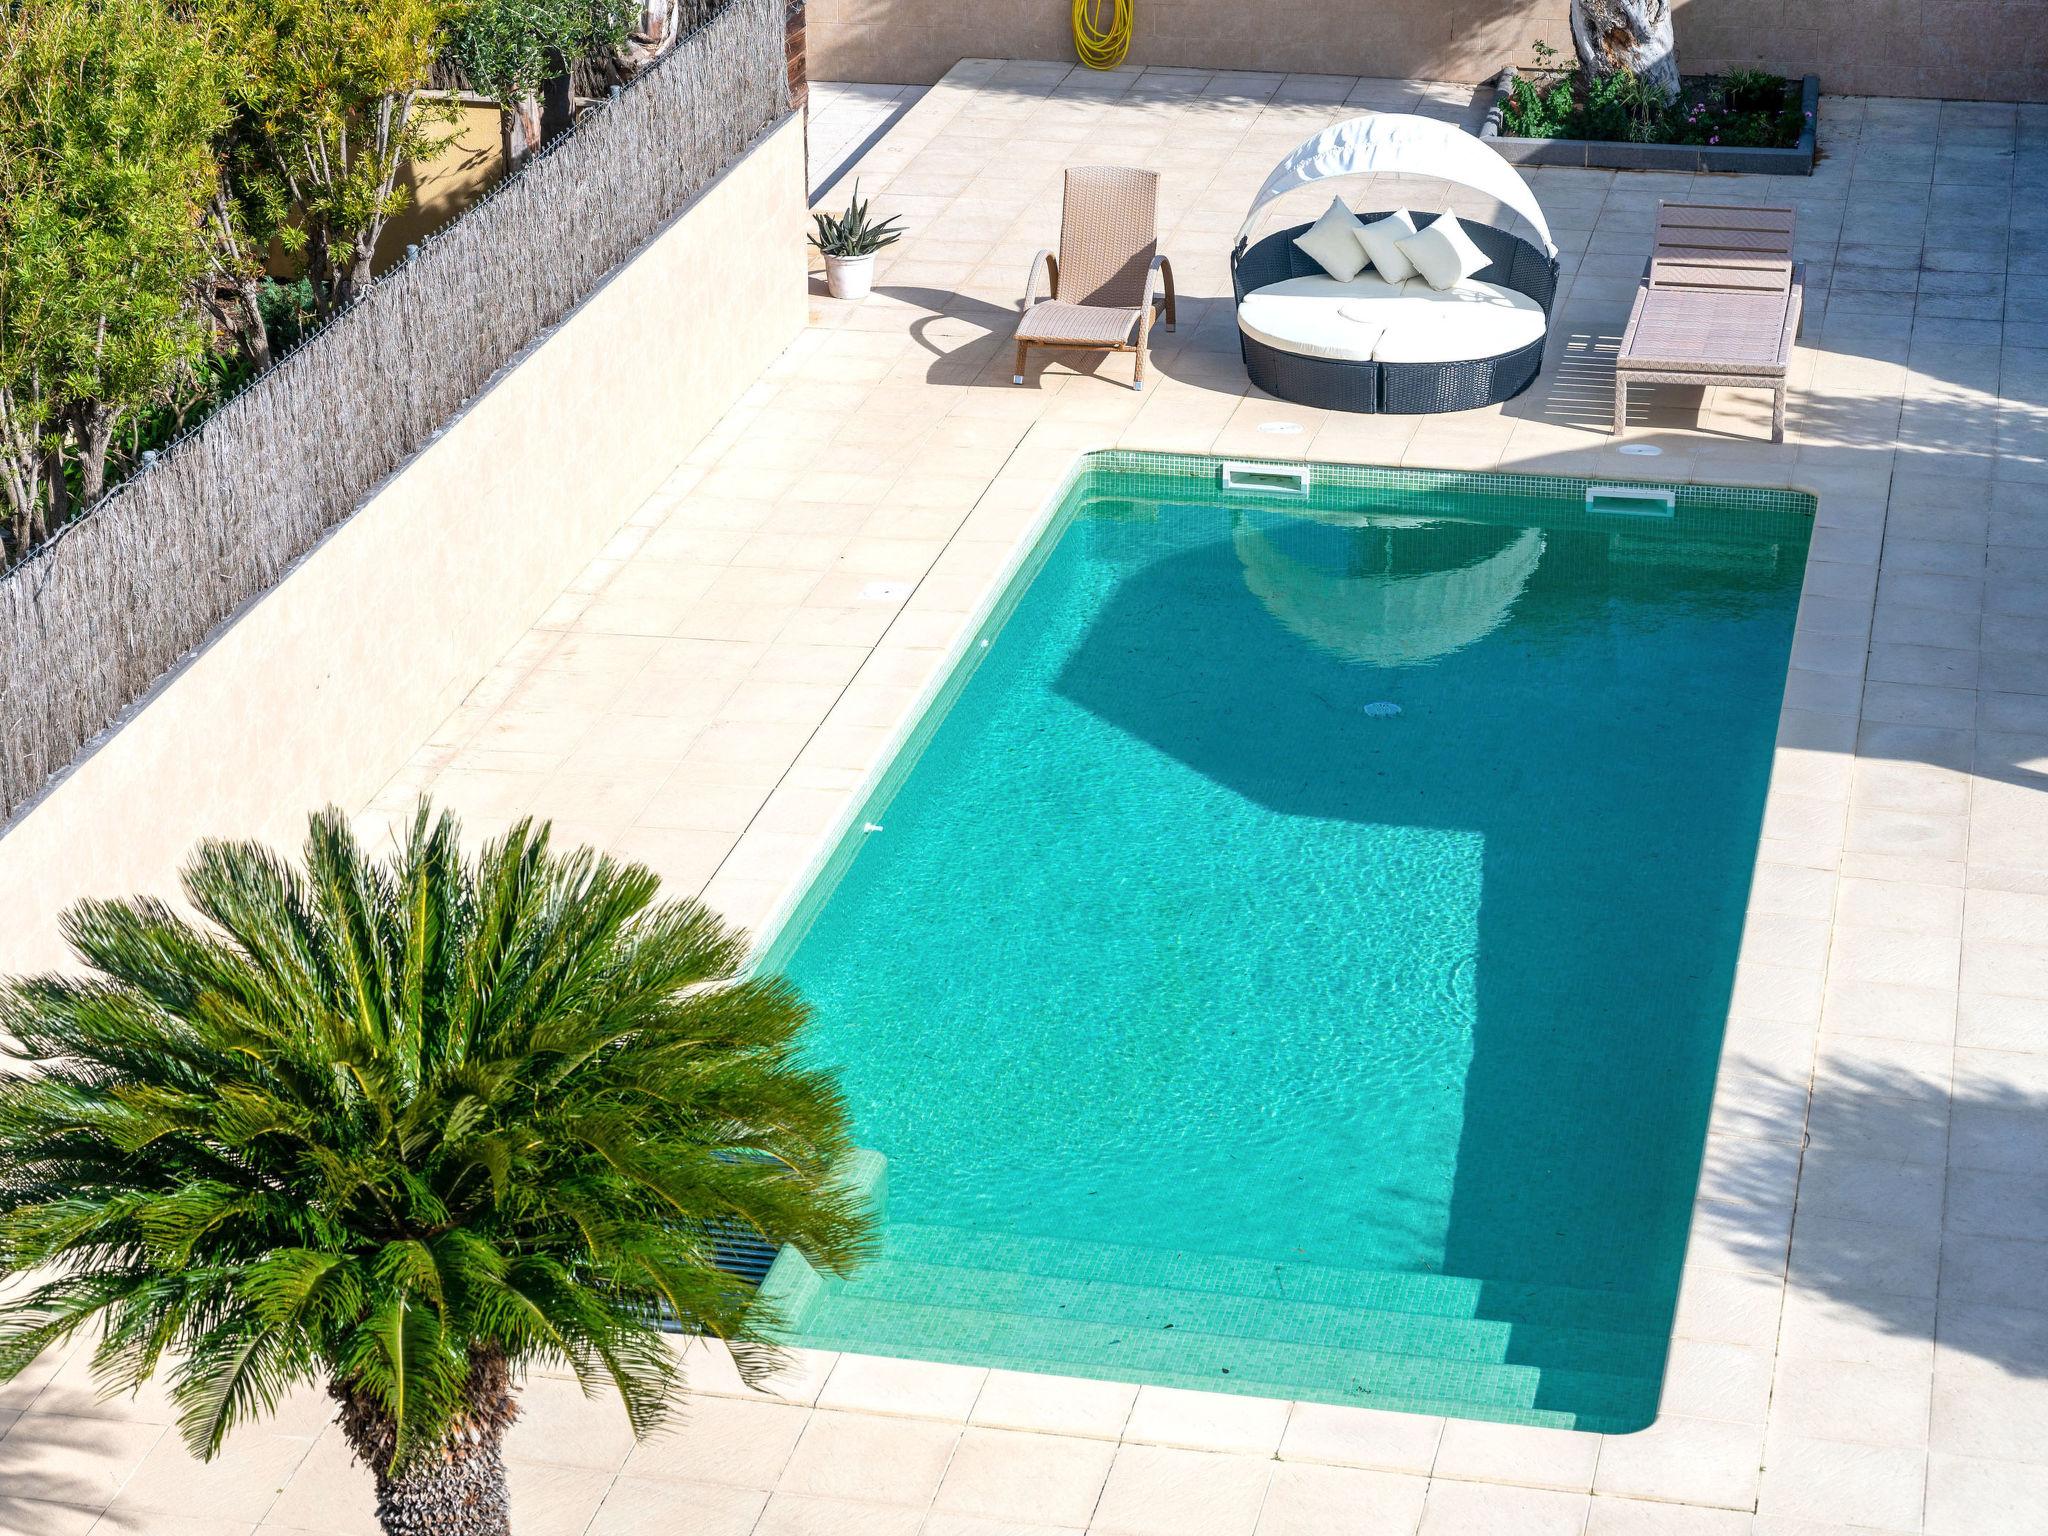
(377, 1121)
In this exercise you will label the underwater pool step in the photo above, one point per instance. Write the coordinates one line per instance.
(1423, 1294)
(1510, 1393)
(1430, 1335)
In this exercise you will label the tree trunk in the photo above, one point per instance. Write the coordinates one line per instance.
(57, 499)
(558, 101)
(1634, 35)
(457, 1488)
(94, 428)
(254, 336)
(520, 124)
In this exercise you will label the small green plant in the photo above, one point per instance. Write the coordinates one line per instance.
(1750, 108)
(853, 233)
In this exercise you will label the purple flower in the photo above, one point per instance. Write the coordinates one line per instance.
(1713, 138)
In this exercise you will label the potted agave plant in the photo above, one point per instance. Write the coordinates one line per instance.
(849, 243)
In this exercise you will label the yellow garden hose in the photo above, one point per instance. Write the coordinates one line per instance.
(1098, 47)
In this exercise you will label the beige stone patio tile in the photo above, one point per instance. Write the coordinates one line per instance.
(919, 1388)
(560, 1426)
(1308, 1500)
(2014, 970)
(1968, 1496)
(1901, 905)
(35, 1517)
(1904, 1069)
(1853, 1484)
(74, 1390)
(1706, 1378)
(1688, 1461)
(1515, 1453)
(330, 1492)
(552, 1500)
(1476, 1509)
(1917, 958)
(1639, 1517)
(1065, 1405)
(1889, 1011)
(637, 1506)
(790, 1514)
(1791, 890)
(606, 793)
(745, 1442)
(1772, 939)
(1011, 1475)
(1156, 1490)
(64, 1460)
(1896, 1332)
(946, 1523)
(1853, 1402)
(708, 1368)
(1206, 1421)
(241, 1483)
(2002, 1023)
(1886, 1192)
(1989, 1407)
(131, 1522)
(868, 1456)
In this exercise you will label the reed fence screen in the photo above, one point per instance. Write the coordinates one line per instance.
(92, 620)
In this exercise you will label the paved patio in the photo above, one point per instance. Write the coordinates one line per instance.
(1863, 1336)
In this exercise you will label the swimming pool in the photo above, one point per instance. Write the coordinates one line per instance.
(1290, 955)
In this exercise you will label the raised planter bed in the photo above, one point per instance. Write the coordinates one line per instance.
(1614, 154)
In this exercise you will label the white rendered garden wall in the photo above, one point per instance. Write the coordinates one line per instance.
(321, 688)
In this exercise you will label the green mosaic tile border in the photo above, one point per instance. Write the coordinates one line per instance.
(1176, 473)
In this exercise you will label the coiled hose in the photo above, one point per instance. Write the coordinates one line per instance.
(1102, 47)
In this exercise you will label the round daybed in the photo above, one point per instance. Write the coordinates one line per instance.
(1370, 345)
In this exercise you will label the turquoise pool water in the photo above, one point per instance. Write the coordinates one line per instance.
(1291, 956)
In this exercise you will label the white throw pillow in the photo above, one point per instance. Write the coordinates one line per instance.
(1332, 242)
(1382, 241)
(1443, 253)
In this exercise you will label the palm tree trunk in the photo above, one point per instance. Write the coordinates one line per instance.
(458, 1489)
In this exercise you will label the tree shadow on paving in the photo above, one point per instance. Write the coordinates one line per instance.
(1921, 1212)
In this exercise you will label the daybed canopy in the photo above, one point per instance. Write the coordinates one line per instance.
(1398, 144)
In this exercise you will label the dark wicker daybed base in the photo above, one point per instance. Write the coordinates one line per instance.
(1398, 389)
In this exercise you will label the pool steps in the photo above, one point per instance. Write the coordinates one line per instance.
(1417, 1342)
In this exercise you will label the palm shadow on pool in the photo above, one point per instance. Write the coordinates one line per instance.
(1598, 709)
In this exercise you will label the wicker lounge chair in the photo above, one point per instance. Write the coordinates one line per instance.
(1719, 305)
(1106, 281)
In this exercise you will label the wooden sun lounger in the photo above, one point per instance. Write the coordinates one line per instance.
(1719, 305)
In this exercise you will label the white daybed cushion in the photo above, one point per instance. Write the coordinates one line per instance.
(1320, 317)
(1372, 320)
(1444, 253)
(1472, 320)
(1381, 240)
(1332, 242)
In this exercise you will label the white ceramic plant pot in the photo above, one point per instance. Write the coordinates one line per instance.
(850, 277)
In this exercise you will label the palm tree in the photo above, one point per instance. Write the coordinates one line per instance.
(409, 1127)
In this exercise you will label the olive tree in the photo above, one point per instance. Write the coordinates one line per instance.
(510, 49)
(1632, 35)
(331, 96)
(108, 110)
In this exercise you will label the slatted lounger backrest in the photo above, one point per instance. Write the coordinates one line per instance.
(1722, 247)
